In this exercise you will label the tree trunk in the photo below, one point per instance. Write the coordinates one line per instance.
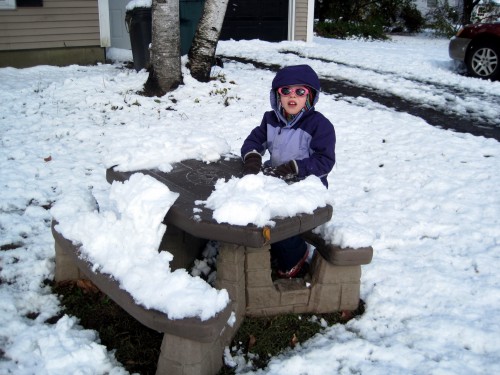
(467, 11)
(165, 70)
(202, 52)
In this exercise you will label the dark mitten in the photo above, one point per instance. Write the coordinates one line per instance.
(252, 163)
(287, 171)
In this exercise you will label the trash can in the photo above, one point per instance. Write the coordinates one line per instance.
(138, 21)
(190, 12)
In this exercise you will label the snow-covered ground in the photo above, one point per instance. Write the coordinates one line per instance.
(385, 67)
(427, 199)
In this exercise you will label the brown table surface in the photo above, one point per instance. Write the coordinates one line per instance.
(194, 180)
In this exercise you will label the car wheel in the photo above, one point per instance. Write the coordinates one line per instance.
(483, 61)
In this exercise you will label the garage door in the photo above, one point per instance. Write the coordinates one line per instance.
(256, 19)
(119, 32)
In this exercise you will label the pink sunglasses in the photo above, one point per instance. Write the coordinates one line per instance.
(298, 91)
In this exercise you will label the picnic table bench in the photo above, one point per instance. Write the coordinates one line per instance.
(192, 346)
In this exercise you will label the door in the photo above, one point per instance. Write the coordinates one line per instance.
(118, 28)
(256, 19)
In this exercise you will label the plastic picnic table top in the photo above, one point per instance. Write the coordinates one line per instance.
(194, 180)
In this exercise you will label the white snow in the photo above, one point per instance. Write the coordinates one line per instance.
(256, 199)
(138, 4)
(123, 241)
(426, 199)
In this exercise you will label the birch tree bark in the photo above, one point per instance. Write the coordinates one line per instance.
(165, 70)
(468, 7)
(202, 52)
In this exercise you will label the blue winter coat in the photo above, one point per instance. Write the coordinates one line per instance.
(309, 138)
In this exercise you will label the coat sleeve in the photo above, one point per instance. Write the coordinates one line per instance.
(322, 151)
(256, 140)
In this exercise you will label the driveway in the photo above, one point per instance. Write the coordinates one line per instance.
(472, 123)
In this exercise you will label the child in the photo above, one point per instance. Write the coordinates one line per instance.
(300, 141)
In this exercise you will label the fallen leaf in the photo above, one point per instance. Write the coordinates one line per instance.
(346, 315)
(251, 342)
(294, 341)
(48, 158)
(65, 283)
(87, 286)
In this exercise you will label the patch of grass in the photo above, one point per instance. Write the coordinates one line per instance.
(262, 338)
(138, 347)
(259, 339)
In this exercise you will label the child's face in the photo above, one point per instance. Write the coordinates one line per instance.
(293, 102)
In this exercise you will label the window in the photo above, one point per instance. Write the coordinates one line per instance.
(29, 3)
(13, 4)
(7, 4)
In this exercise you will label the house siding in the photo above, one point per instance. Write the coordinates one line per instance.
(58, 24)
(300, 31)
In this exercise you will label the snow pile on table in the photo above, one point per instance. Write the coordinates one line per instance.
(122, 240)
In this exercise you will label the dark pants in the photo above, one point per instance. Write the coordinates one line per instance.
(289, 252)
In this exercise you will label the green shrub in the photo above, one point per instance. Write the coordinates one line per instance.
(444, 19)
(362, 18)
(346, 30)
(412, 18)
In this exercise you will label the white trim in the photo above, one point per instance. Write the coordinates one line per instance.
(7, 4)
(104, 24)
(310, 21)
(291, 19)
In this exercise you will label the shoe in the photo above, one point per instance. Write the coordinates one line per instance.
(297, 271)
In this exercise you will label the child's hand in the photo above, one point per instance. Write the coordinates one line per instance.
(286, 172)
(252, 163)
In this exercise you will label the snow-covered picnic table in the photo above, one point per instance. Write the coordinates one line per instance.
(194, 180)
(194, 345)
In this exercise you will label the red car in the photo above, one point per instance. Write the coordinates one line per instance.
(478, 46)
